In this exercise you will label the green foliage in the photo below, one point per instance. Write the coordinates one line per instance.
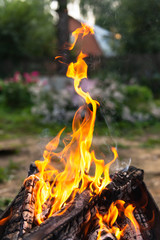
(138, 98)
(137, 21)
(21, 123)
(157, 102)
(103, 11)
(152, 82)
(129, 130)
(3, 175)
(4, 202)
(15, 92)
(15, 95)
(26, 30)
(123, 146)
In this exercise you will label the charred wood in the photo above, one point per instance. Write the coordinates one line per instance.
(146, 212)
(77, 219)
(20, 212)
(59, 226)
(67, 225)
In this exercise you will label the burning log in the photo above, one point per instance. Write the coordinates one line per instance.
(20, 213)
(78, 219)
(61, 225)
(129, 187)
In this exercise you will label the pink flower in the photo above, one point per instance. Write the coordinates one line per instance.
(16, 77)
(45, 82)
(35, 74)
(27, 77)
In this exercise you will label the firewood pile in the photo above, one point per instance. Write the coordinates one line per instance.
(78, 219)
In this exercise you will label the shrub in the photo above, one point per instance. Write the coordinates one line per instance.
(138, 98)
(16, 95)
(61, 105)
(26, 30)
(118, 101)
(15, 91)
(152, 82)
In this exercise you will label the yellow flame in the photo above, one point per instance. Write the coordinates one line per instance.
(129, 214)
(108, 222)
(84, 30)
(54, 187)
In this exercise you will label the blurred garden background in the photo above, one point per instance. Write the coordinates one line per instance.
(37, 100)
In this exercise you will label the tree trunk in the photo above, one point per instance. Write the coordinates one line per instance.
(63, 35)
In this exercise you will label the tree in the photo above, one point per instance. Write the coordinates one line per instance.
(26, 30)
(137, 21)
(104, 11)
(63, 33)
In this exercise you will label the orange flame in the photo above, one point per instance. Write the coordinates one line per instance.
(84, 30)
(129, 213)
(108, 222)
(4, 220)
(56, 187)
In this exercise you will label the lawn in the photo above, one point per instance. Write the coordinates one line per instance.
(16, 124)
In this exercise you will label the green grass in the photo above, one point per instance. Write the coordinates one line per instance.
(15, 124)
(150, 143)
(154, 127)
(127, 130)
(122, 146)
(6, 172)
(4, 202)
(119, 129)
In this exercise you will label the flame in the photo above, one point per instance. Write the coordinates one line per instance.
(108, 222)
(84, 30)
(129, 214)
(4, 220)
(54, 188)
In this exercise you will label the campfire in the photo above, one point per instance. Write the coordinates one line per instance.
(79, 203)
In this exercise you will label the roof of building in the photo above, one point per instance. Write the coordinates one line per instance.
(98, 44)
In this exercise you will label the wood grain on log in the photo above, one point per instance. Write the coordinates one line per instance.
(22, 212)
(72, 217)
(71, 221)
(78, 210)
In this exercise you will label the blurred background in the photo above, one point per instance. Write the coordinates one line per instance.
(37, 100)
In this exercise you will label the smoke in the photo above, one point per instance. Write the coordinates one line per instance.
(112, 142)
